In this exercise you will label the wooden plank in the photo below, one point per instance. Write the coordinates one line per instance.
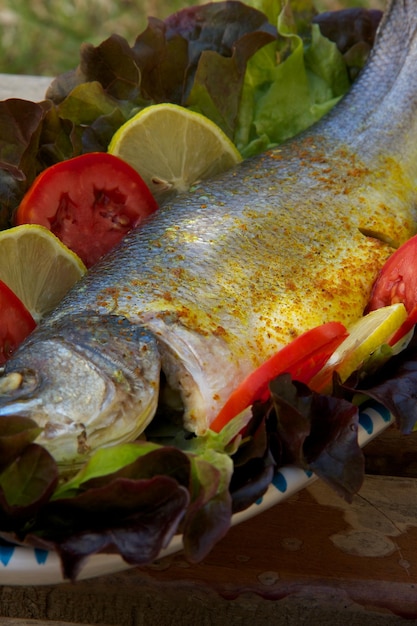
(26, 87)
(392, 454)
(32, 622)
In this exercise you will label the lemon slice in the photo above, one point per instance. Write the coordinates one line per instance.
(173, 148)
(37, 267)
(365, 336)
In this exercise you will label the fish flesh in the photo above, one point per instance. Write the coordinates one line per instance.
(225, 275)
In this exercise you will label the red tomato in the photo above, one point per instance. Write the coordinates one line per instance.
(90, 202)
(15, 322)
(397, 282)
(405, 327)
(302, 358)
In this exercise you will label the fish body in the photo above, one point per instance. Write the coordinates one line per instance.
(227, 274)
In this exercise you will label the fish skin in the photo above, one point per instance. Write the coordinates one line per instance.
(227, 274)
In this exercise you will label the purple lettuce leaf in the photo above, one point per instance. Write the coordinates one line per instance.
(201, 50)
(253, 463)
(204, 527)
(20, 131)
(221, 38)
(25, 486)
(161, 65)
(209, 514)
(339, 461)
(395, 387)
(317, 433)
(136, 518)
(16, 433)
(348, 27)
(353, 31)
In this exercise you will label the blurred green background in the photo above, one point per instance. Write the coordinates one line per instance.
(43, 37)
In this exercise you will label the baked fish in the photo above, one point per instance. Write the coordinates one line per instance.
(227, 274)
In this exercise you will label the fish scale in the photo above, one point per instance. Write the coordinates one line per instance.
(225, 275)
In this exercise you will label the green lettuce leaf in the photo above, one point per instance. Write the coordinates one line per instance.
(103, 462)
(288, 86)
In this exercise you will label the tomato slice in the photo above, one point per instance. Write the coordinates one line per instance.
(90, 202)
(15, 322)
(397, 282)
(302, 358)
(405, 328)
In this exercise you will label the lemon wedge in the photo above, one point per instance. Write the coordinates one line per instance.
(173, 148)
(37, 267)
(365, 336)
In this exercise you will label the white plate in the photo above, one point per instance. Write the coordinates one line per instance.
(27, 566)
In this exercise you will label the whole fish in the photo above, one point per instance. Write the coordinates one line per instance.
(227, 274)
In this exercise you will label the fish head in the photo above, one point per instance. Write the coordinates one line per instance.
(88, 381)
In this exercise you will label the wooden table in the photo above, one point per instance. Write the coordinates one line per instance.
(312, 560)
(27, 87)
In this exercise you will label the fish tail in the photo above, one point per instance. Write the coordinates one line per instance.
(378, 115)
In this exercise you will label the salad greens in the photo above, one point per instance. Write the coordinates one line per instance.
(263, 74)
(231, 61)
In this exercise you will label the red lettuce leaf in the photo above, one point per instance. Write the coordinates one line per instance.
(25, 486)
(395, 387)
(206, 526)
(340, 462)
(353, 31)
(254, 465)
(317, 433)
(136, 518)
(16, 433)
(197, 56)
(349, 27)
(113, 65)
(208, 516)
(163, 62)
(221, 38)
(20, 130)
(250, 482)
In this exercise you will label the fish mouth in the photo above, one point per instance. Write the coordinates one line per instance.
(88, 381)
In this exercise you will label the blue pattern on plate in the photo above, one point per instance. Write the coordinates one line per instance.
(365, 417)
(41, 556)
(382, 411)
(6, 553)
(280, 482)
(366, 422)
